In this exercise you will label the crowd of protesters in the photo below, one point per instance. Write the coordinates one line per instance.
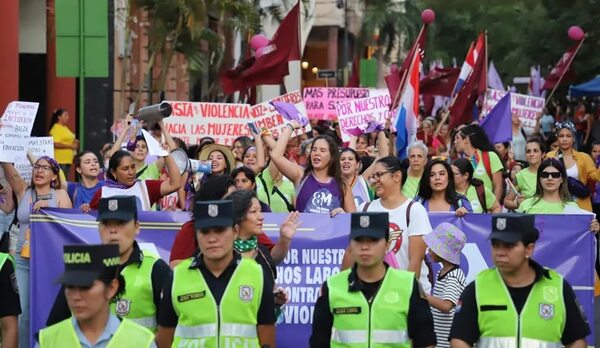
(550, 169)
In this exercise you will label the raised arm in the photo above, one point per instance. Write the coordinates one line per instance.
(291, 170)
(261, 157)
(14, 179)
(174, 182)
(270, 143)
(119, 142)
(160, 163)
(383, 150)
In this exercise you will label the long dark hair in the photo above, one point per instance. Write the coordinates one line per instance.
(242, 201)
(465, 167)
(425, 192)
(77, 159)
(334, 169)
(55, 115)
(477, 137)
(563, 189)
(115, 161)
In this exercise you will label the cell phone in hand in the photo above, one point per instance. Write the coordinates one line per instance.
(253, 128)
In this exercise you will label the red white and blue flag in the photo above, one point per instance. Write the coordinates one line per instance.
(408, 108)
(467, 67)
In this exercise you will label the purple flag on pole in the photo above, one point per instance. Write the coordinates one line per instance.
(498, 123)
(494, 81)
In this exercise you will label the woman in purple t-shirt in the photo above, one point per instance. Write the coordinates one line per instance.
(320, 187)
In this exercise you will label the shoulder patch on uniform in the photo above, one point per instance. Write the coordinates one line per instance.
(122, 307)
(191, 296)
(13, 282)
(347, 310)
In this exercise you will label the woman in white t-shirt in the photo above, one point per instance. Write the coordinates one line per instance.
(406, 242)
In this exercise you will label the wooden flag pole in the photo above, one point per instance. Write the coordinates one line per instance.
(403, 77)
(565, 71)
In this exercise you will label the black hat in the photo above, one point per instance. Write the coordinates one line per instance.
(84, 263)
(511, 228)
(213, 214)
(374, 225)
(122, 208)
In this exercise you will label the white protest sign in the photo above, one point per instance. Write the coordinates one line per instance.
(17, 122)
(38, 146)
(358, 112)
(527, 107)
(193, 121)
(265, 115)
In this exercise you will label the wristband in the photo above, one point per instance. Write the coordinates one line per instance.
(264, 132)
(291, 127)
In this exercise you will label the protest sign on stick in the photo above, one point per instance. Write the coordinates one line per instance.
(358, 112)
(17, 122)
(38, 147)
(527, 107)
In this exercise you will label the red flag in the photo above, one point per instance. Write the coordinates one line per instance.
(461, 111)
(394, 80)
(354, 80)
(439, 81)
(562, 68)
(272, 66)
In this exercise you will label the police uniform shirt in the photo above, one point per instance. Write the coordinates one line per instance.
(465, 325)
(9, 293)
(419, 320)
(266, 312)
(112, 325)
(160, 274)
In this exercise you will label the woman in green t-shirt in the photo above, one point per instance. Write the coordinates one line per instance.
(551, 195)
(473, 189)
(526, 180)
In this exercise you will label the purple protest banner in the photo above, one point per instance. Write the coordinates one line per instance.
(316, 252)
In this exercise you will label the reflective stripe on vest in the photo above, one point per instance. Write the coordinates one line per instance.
(509, 342)
(137, 302)
(3, 258)
(383, 324)
(129, 334)
(540, 323)
(234, 320)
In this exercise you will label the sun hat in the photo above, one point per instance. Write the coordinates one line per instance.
(446, 241)
(208, 149)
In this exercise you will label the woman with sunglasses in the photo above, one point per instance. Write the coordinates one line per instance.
(579, 165)
(526, 180)
(408, 219)
(437, 192)
(551, 195)
(44, 191)
(481, 198)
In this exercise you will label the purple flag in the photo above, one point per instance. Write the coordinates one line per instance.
(498, 123)
(290, 112)
(494, 81)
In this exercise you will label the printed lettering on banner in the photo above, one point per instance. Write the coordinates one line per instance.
(193, 121)
(357, 113)
(17, 122)
(527, 107)
(320, 101)
(38, 146)
(265, 115)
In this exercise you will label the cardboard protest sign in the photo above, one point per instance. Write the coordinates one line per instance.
(527, 107)
(38, 146)
(224, 122)
(17, 122)
(320, 101)
(358, 112)
(265, 115)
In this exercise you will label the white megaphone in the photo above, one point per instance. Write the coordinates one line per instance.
(185, 164)
(156, 112)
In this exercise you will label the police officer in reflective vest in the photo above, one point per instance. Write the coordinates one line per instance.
(518, 303)
(218, 298)
(10, 306)
(371, 304)
(91, 281)
(144, 271)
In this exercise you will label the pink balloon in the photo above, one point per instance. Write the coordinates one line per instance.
(258, 41)
(576, 33)
(428, 16)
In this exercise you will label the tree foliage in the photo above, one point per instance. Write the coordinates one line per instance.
(520, 33)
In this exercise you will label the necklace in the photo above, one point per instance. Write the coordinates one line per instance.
(243, 246)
